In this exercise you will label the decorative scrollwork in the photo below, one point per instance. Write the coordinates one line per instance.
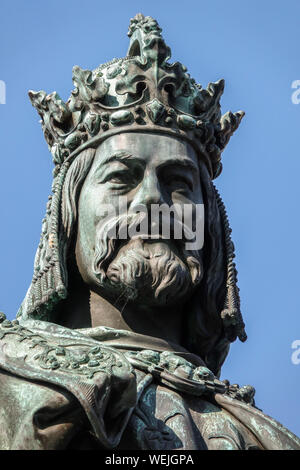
(104, 99)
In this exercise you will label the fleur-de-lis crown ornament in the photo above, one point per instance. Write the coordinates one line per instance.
(141, 92)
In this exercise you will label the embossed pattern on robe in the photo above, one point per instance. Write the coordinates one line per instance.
(132, 412)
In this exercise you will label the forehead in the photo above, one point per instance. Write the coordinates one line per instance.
(154, 149)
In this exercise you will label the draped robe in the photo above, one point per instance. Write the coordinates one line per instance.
(101, 388)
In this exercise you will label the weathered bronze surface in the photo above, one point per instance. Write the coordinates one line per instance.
(119, 343)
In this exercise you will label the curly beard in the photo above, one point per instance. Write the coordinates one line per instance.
(151, 271)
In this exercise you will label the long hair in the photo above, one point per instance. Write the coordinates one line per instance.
(214, 319)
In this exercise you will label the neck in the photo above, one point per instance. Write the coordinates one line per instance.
(85, 308)
(164, 323)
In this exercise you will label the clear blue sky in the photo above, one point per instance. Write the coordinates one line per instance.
(254, 46)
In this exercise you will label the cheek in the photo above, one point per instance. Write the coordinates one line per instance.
(94, 205)
(88, 218)
(181, 198)
(188, 197)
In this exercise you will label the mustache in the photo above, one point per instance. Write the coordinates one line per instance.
(115, 232)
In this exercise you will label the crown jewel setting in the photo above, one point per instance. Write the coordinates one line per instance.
(142, 92)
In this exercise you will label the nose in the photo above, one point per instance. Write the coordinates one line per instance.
(149, 192)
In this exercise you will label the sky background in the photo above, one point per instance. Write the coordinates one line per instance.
(254, 46)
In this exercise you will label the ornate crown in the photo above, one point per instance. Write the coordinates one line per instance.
(142, 92)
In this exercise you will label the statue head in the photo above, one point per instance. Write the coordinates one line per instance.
(125, 234)
(136, 133)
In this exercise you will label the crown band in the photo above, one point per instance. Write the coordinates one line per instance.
(95, 141)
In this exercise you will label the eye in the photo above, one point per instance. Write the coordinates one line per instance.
(179, 182)
(118, 177)
(130, 176)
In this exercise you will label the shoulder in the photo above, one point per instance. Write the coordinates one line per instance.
(270, 434)
(30, 411)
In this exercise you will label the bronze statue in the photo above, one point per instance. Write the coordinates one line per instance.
(120, 341)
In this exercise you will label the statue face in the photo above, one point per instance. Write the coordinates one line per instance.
(141, 170)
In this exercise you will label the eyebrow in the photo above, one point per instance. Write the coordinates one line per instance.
(180, 161)
(125, 156)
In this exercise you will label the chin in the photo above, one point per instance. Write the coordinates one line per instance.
(151, 274)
